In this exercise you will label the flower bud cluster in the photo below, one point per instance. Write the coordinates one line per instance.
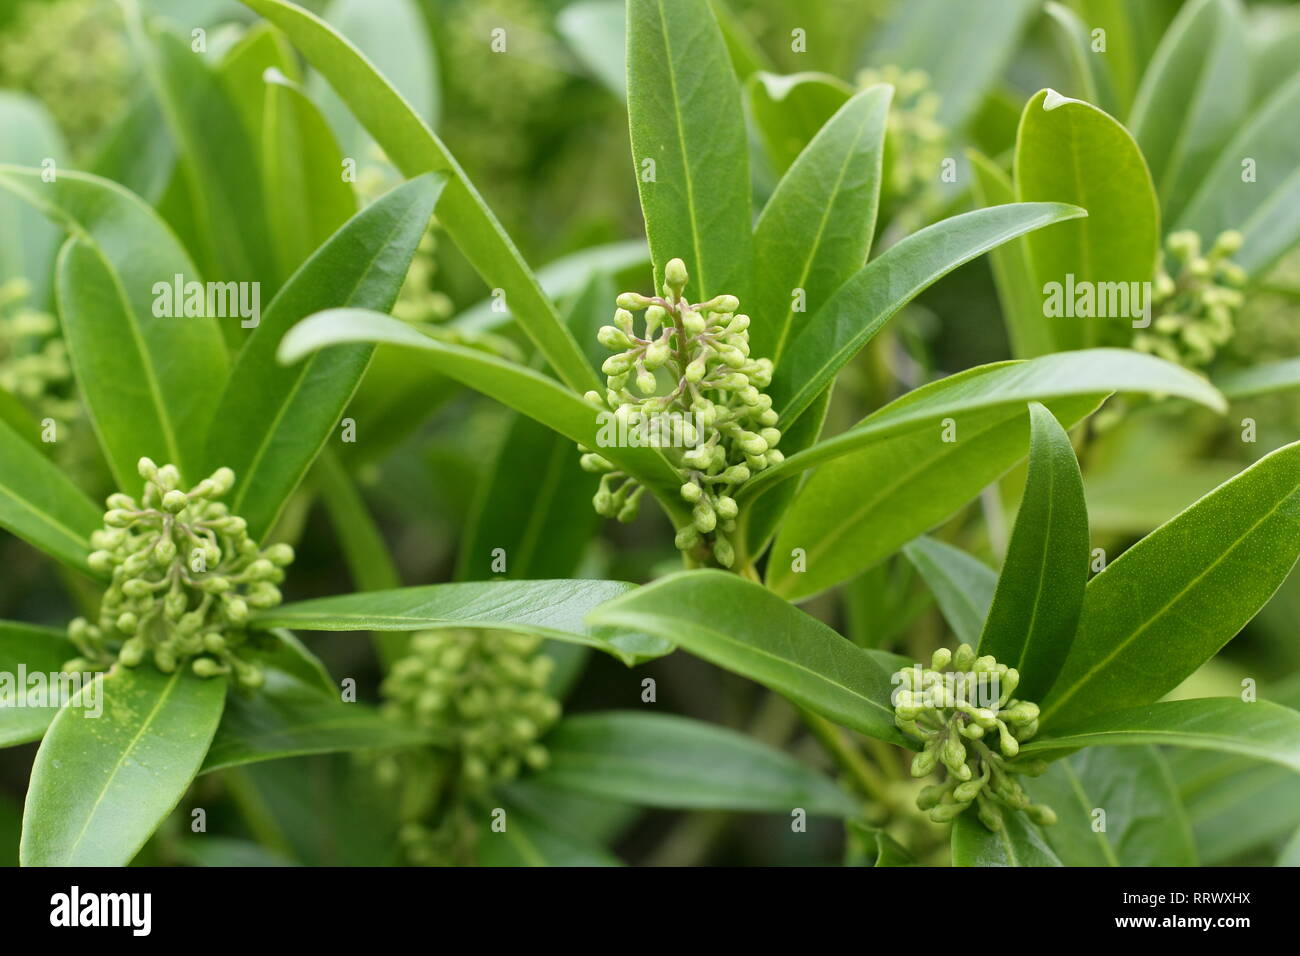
(34, 365)
(689, 360)
(975, 736)
(915, 139)
(484, 691)
(185, 578)
(1195, 308)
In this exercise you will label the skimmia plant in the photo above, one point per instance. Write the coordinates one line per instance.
(230, 306)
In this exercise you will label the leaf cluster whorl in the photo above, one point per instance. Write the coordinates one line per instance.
(185, 577)
(975, 736)
(698, 396)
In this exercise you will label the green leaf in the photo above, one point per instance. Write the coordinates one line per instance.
(101, 786)
(287, 718)
(789, 110)
(684, 114)
(1145, 823)
(1260, 379)
(528, 840)
(661, 760)
(1132, 32)
(1290, 855)
(307, 198)
(962, 585)
(552, 609)
(1087, 70)
(25, 708)
(521, 388)
(1013, 272)
(1040, 591)
(1200, 578)
(42, 506)
(1259, 729)
(1192, 97)
(596, 32)
(1265, 206)
(743, 627)
(892, 477)
(28, 137)
(272, 421)
(816, 230)
(1018, 843)
(1069, 151)
(934, 36)
(872, 296)
(137, 152)
(889, 852)
(414, 149)
(150, 383)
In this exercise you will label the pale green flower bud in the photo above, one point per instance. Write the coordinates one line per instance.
(675, 276)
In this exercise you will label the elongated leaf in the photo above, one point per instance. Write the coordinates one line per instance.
(885, 485)
(149, 382)
(1254, 185)
(789, 110)
(1261, 729)
(137, 152)
(1145, 823)
(596, 31)
(684, 115)
(1192, 97)
(521, 388)
(1018, 843)
(287, 718)
(246, 68)
(1040, 591)
(816, 230)
(529, 840)
(1087, 69)
(660, 760)
(28, 242)
(552, 609)
(875, 294)
(962, 585)
(1260, 379)
(414, 149)
(306, 196)
(1200, 578)
(1132, 33)
(745, 628)
(1069, 151)
(26, 707)
(42, 506)
(1013, 273)
(273, 420)
(100, 786)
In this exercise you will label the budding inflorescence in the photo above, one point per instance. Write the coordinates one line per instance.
(1195, 306)
(690, 359)
(961, 710)
(34, 363)
(915, 139)
(481, 691)
(185, 578)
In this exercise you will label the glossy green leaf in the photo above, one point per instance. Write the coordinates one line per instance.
(684, 115)
(25, 706)
(1019, 294)
(1200, 578)
(414, 149)
(596, 32)
(816, 230)
(790, 109)
(861, 306)
(28, 241)
(138, 152)
(889, 852)
(529, 840)
(1192, 98)
(307, 198)
(1254, 186)
(747, 629)
(245, 70)
(1290, 855)
(661, 760)
(962, 585)
(1040, 591)
(272, 421)
(1018, 843)
(1260, 379)
(287, 718)
(1259, 729)
(1069, 151)
(1145, 823)
(42, 506)
(1132, 33)
(552, 609)
(101, 786)
(1086, 68)
(517, 386)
